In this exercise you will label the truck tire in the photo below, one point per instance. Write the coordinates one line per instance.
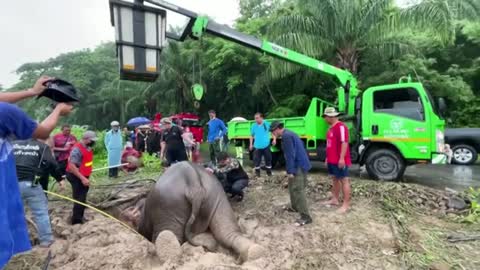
(385, 164)
(464, 154)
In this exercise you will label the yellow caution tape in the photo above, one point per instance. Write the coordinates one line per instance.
(94, 209)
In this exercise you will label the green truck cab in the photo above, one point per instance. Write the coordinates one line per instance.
(391, 127)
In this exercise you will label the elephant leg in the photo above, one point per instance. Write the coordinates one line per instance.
(206, 240)
(226, 230)
(167, 246)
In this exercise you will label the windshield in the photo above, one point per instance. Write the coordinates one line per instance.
(434, 104)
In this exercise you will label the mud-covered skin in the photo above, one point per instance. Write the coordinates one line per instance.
(188, 201)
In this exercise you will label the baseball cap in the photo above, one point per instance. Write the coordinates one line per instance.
(166, 121)
(91, 135)
(275, 125)
(330, 112)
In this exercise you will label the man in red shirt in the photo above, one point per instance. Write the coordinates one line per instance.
(338, 159)
(63, 144)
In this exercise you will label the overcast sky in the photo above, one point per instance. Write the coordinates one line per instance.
(35, 30)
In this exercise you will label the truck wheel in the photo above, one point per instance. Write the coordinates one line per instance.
(385, 164)
(464, 154)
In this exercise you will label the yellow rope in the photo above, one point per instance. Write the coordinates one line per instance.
(94, 209)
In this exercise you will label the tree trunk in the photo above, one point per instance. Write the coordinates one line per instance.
(348, 58)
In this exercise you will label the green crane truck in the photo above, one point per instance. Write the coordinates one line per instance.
(391, 126)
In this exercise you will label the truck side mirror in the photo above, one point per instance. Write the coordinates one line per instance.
(442, 105)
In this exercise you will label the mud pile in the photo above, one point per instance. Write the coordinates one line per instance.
(365, 238)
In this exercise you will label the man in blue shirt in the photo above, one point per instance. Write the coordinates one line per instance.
(260, 144)
(298, 164)
(216, 131)
(14, 122)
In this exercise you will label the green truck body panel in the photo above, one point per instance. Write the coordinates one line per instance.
(415, 139)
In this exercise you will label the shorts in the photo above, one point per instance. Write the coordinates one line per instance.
(338, 173)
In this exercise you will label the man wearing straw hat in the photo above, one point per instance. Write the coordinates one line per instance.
(80, 166)
(338, 159)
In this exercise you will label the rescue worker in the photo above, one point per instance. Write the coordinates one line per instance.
(231, 174)
(63, 143)
(114, 144)
(298, 164)
(80, 165)
(15, 122)
(216, 131)
(129, 154)
(173, 148)
(34, 158)
(260, 144)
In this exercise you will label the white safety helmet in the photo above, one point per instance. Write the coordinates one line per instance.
(115, 124)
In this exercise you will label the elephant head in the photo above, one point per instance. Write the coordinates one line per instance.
(133, 215)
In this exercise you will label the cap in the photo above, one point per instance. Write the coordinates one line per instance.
(114, 123)
(60, 91)
(330, 112)
(166, 121)
(90, 135)
(275, 125)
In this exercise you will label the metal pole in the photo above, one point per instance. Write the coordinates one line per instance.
(110, 167)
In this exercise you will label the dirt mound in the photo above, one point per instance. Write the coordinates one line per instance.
(382, 231)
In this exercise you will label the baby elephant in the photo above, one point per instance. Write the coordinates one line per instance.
(189, 202)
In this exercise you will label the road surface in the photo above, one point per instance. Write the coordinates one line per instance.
(435, 176)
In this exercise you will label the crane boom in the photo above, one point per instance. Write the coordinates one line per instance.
(198, 25)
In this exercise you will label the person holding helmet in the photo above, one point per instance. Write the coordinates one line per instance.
(114, 145)
(80, 165)
(15, 122)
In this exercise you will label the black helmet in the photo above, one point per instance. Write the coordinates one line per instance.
(60, 91)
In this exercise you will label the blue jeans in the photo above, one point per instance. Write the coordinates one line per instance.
(36, 200)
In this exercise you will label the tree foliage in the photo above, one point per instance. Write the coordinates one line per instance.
(435, 41)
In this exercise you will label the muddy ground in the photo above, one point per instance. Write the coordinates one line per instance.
(390, 226)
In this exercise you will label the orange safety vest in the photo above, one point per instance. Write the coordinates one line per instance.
(87, 160)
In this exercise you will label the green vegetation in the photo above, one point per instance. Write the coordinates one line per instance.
(437, 41)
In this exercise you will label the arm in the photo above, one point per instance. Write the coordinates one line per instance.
(52, 165)
(289, 152)
(44, 129)
(74, 170)
(13, 97)
(252, 134)
(234, 164)
(188, 139)
(343, 150)
(37, 89)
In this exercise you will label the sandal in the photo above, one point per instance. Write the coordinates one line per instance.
(303, 220)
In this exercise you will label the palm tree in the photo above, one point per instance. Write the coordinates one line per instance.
(350, 28)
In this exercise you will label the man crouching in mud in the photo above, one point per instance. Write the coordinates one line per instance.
(231, 174)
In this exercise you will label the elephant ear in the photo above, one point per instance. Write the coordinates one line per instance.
(195, 196)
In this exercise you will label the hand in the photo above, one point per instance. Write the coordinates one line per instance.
(61, 185)
(210, 170)
(290, 176)
(64, 108)
(341, 163)
(274, 142)
(85, 181)
(39, 86)
(250, 148)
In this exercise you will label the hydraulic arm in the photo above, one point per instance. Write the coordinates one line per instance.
(198, 25)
